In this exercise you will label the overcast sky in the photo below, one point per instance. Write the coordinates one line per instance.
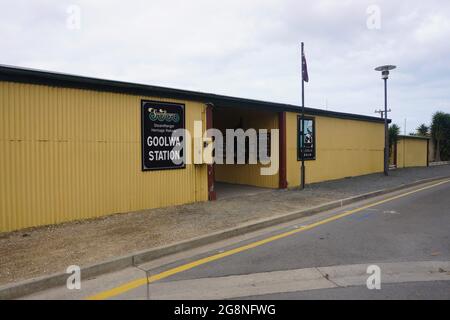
(247, 49)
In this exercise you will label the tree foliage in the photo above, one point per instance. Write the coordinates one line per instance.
(394, 132)
(423, 130)
(440, 132)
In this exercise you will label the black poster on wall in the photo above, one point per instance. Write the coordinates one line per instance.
(160, 150)
(309, 138)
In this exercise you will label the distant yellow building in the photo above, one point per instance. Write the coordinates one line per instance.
(73, 147)
(411, 151)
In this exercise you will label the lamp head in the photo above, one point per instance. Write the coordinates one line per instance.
(385, 70)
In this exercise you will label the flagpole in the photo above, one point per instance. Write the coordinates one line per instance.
(302, 137)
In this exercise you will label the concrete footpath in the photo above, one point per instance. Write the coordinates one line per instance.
(50, 250)
(295, 280)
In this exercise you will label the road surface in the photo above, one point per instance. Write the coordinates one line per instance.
(325, 256)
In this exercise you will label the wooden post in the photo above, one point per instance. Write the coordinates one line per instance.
(209, 125)
(282, 141)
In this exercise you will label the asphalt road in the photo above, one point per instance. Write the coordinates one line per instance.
(406, 234)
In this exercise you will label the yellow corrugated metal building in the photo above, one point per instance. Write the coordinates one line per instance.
(344, 148)
(71, 147)
(411, 151)
(69, 154)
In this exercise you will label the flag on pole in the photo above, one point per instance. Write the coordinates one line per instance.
(305, 76)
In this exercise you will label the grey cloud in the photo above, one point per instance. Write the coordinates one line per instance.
(247, 48)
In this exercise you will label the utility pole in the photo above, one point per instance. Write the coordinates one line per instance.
(381, 112)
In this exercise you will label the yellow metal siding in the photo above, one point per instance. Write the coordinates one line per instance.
(411, 152)
(344, 148)
(248, 174)
(69, 154)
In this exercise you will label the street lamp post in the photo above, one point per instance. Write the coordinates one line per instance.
(385, 75)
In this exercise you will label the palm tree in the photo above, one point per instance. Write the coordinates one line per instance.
(423, 130)
(394, 131)
(439, 125)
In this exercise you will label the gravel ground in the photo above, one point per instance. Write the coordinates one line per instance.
(45, 250)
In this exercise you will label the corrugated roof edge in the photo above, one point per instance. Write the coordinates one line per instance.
(413, 137)
(33, 76)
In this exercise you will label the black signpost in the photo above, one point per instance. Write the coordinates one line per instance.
(158, 121)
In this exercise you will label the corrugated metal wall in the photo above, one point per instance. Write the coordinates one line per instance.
(344, 148)
(69, 154)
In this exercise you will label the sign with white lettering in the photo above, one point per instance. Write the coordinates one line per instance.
(308, 145)
(161, 150)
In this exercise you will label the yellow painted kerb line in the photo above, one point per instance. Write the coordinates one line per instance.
(142, 281)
